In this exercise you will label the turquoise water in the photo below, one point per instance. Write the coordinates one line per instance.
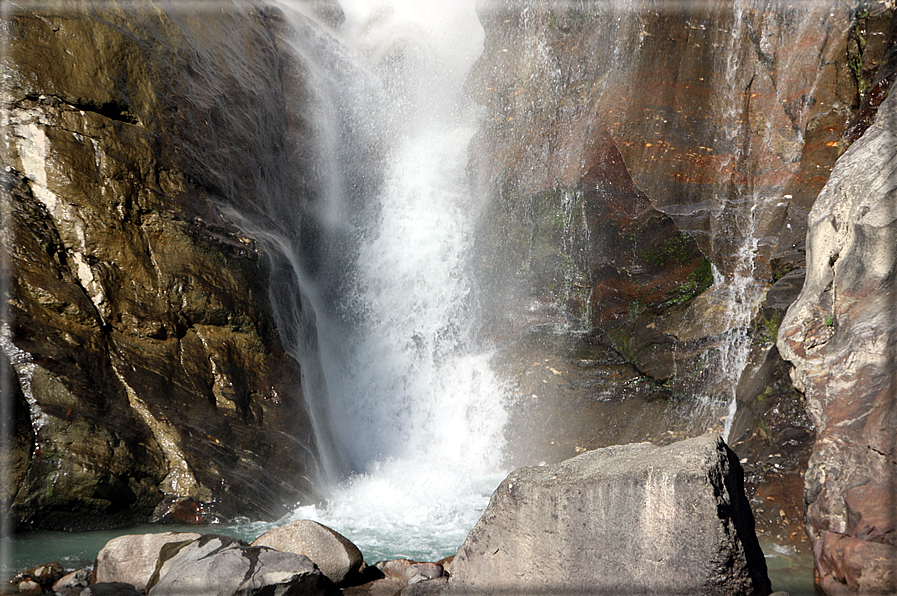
(789, 571)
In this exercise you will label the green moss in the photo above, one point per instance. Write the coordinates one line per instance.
(698, 280)
(772, 325)
(829, 322)
(767, 393)
(677, 250)
(576, 16)
(856, 47)
(856, 66)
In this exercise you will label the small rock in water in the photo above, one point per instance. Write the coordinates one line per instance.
(43, 575)
(409, 571)
(72, 583)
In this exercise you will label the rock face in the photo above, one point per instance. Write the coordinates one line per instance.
(333, 553)
(220, 565)
(841, 336)
(132, 558)
(720, 122)
(143, 357)
(727, 120)
(633, 519)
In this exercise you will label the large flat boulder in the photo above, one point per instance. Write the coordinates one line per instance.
(132, 558)
(216, 565)
(630, 519)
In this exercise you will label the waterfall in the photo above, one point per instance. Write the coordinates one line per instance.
(408, 412)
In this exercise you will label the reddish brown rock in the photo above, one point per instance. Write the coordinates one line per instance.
(709, 108)
(841, 336)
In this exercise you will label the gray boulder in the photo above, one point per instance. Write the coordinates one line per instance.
(216, 565)
(630, 519)
(334, 554)
(132, 558)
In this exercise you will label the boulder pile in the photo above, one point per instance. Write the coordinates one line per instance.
(628, 519)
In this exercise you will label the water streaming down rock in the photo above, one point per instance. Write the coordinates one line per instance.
(393, 309)
(410, 409)
(679, 107)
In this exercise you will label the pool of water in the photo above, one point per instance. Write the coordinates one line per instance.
(789, 570)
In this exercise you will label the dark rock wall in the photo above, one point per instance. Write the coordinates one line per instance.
(139, 327)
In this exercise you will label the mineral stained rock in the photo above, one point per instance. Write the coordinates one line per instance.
(841, 336)
(144, 359)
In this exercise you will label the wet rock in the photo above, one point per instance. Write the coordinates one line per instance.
(410, 572)
(633, 519)
(222, 565)
(140, 334)
(576, 392)
(700, 104)
(43, 575)
(333, 553)
(586, 251)
(773, 435)
(132, 558)
(73, 583)
(599, 122)
(183, 510)
(841, 337)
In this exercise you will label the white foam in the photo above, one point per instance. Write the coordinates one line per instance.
(415, 412)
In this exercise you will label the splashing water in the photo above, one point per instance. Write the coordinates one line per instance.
(413, 412)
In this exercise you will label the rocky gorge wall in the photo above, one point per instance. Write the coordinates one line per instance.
(625, 151)
(625, 147)
(840, 335)
(148, 379)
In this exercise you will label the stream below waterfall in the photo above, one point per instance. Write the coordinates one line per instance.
(410, 410)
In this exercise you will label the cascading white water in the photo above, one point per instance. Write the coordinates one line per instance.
(742, 292)
(415, 413)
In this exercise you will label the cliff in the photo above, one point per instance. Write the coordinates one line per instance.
(623, 145)
(149, 378)
(840, 335)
